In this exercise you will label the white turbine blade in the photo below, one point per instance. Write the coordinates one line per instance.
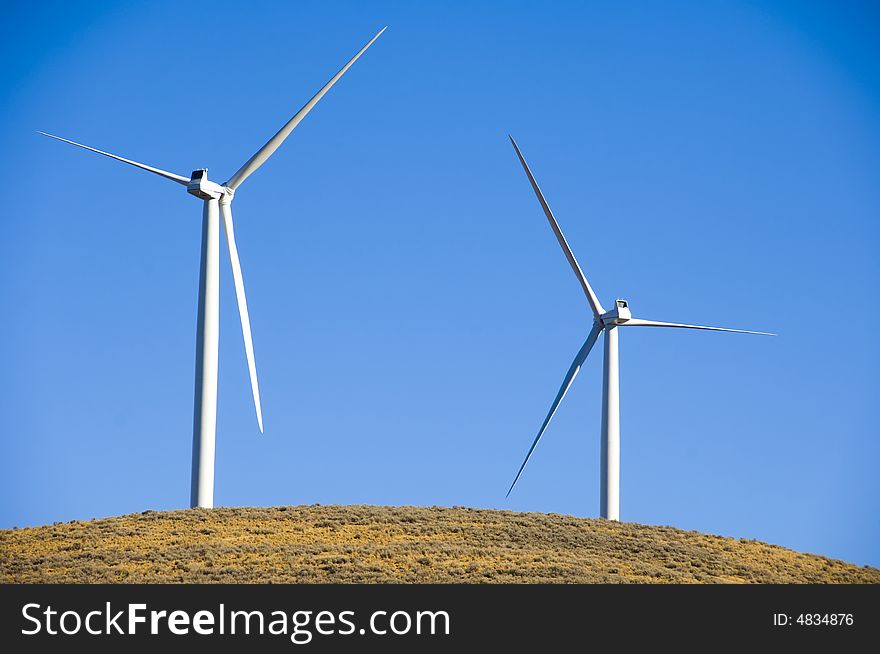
(575, 368)
(275, 142)
(226, 212)
(636, 322)
(588, 290)
(180, 179)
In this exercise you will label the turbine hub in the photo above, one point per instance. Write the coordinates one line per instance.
(200, 186)
(618, 315)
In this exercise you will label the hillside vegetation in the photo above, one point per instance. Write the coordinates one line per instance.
(314, 544)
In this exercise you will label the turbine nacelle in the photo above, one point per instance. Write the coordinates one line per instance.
(200, 186)
(618, 315)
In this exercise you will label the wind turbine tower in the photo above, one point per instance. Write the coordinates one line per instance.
(216, 205)
(608, 322)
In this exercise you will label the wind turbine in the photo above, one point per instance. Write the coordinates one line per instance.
(217, 199)
(608, 322)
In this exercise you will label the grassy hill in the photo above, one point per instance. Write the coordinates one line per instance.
(311, 544)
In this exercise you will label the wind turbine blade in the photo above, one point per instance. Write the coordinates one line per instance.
(575, 368)
(275, 142)
(226, 212)
(595, 305)
(158, 171)
(637, 322)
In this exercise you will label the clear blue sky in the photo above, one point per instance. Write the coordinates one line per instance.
(413, 315)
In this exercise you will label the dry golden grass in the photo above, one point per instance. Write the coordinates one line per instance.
(366, 544)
